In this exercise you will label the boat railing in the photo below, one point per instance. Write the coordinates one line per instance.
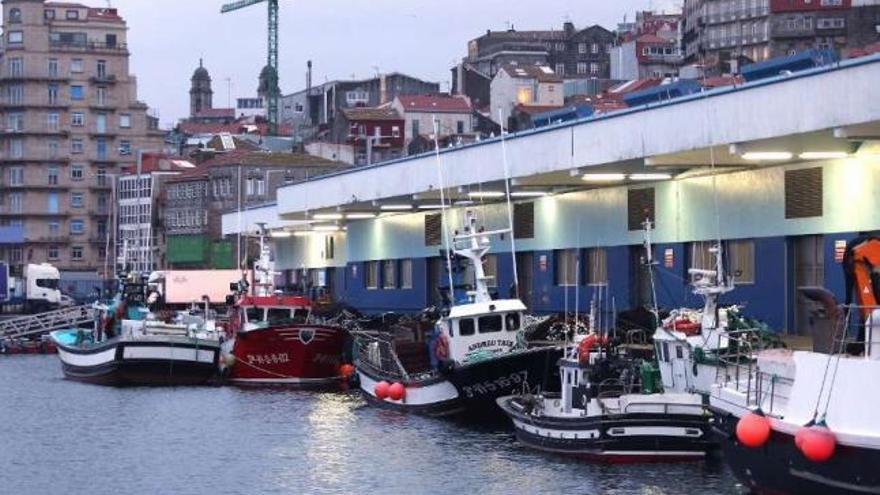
(375, 351)
(738, 371)
(664, 407)
(853, 333)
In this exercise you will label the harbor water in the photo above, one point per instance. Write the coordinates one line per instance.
(64, 437)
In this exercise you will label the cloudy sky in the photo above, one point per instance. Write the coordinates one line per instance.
(343, 38)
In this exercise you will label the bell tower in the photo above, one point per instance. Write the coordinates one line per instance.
(200, 94)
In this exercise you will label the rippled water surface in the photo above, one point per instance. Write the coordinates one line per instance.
(69, 438)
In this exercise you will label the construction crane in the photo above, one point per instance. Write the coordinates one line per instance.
(272, 95)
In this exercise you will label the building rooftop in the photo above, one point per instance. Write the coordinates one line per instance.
(213, 113)
(371, 113)
(541, 73)
(435, 103)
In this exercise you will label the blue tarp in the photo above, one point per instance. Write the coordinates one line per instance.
(561, 115)
(662, 92)
(801, 61)
(12, 234)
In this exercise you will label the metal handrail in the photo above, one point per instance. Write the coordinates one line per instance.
(25, 326)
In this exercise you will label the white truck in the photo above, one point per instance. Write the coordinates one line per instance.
(37, 290)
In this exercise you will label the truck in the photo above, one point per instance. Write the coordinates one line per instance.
(36, 291)
(184, 287)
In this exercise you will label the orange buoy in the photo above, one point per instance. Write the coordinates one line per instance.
(397, 391)
(381, 390)
(753, 430)
(818, 443)
(346, 370)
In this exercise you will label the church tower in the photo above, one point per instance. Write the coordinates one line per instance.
(200, 94)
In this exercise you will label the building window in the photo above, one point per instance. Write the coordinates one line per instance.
(53, 121)
(101, 176)
(566, 267)
(597, 266)
(406, 274)
(594, 48)
(741, 254)
(560, 47)
(582, 68)
(124, 147)
(14, 16)
(395, 131)
(77, 172)
(77, 226)
(76, 65)
(560, 69)
(415, 128)
(16, 148)
(76, 145)
(76, 253)
(53, 252)
(372, 275)
(389, 274)
(52, 202)
(77, 119)
(594, 68)
(16, 176)
(52, 148)
(16, 94)
(15, 121)
(524, 95)
(52, 175)
(101, 96)
(582, 48)
(15, 38)
(76, 92)
(76, 200)
(53, 94)
(101, 69)
(49, 14)
(15, 202)
(16, 67)
(459, 127)
(54, 228)
(72, 15)
(124, 121)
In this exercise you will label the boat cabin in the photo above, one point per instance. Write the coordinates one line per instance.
(253, 312)
(482, 329)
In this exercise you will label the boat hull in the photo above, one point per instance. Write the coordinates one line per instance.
(780, 468)
(122, 363)
(617, 438)
(469, 391)
(301, 355)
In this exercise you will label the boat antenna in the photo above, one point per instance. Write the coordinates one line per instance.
(577, 282)
(443, 207)
(649, 263)
(509, 204)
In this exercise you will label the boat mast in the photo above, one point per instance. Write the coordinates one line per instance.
(264, 269)
(473, 245)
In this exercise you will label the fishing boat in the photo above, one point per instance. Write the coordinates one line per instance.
(130, 345)
(274, 339)
(803, 422)
(472, 355)
(611, 409)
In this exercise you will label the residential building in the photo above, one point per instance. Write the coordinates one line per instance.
(651, 49)
(572, 53)
(310, 113)
(717, 33)
(526, 85)
(376, 134)
(469, 81)
(194, 201)
(72, 120)
(453, 114)
(140, 239)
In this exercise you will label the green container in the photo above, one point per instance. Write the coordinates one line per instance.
(221, 256)
(187, 249)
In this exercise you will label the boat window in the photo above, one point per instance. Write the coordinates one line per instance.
(466, 326)
(254, 314)
(278, 315)
(678, 352)
(665, 352)
(512, 322)
(300, 316)
(490, 324)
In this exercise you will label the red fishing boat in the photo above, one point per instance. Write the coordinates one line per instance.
(274, 339)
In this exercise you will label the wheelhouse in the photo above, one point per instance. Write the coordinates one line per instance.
(483, 327)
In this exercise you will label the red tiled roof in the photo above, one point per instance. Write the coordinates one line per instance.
(720, 81)
(653, 38)
(262, 158)
(216, 112)
(540, 73)
(436, 103)
(191, 128)
(152, 162)
(634, 85)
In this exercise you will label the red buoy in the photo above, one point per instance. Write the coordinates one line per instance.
(799, 436)
(818, 443)
(346, 370)
(397, 391)
(753, 430)
(381, 390)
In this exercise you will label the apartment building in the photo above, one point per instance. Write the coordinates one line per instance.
(69, 119)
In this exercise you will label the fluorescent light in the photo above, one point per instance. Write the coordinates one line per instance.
(395, 207)
(279, 234)
(528, 194)
(302, 233)
(325, 228)
(359, 216)
(603, 177)
(327, 216)
(430, 207)
(464, 203)
(767, 155)
(650, 176)
(486, 194)
(823, 155)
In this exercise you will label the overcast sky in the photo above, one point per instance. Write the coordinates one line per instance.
(343, 38)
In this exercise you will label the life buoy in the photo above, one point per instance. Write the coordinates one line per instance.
(684, 326)
(586, 345)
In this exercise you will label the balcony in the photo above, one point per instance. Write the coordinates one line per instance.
(106, 79)
(35, 103)
(88, 47)
(31, 131)
(32, 76)
(49, 239)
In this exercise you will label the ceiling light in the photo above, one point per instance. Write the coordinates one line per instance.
(823, 155)
(650, 176)
(395, 207)
(464, 203)
(767, 155)
(528, 194)
(486, 194)
(327, 216)
(431, 207)
(279, 234)
(325, 228)
(603, 177)
(359, 216)
(302, 233)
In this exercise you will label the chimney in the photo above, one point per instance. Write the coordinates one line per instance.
(309, 77)
(568, 27)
